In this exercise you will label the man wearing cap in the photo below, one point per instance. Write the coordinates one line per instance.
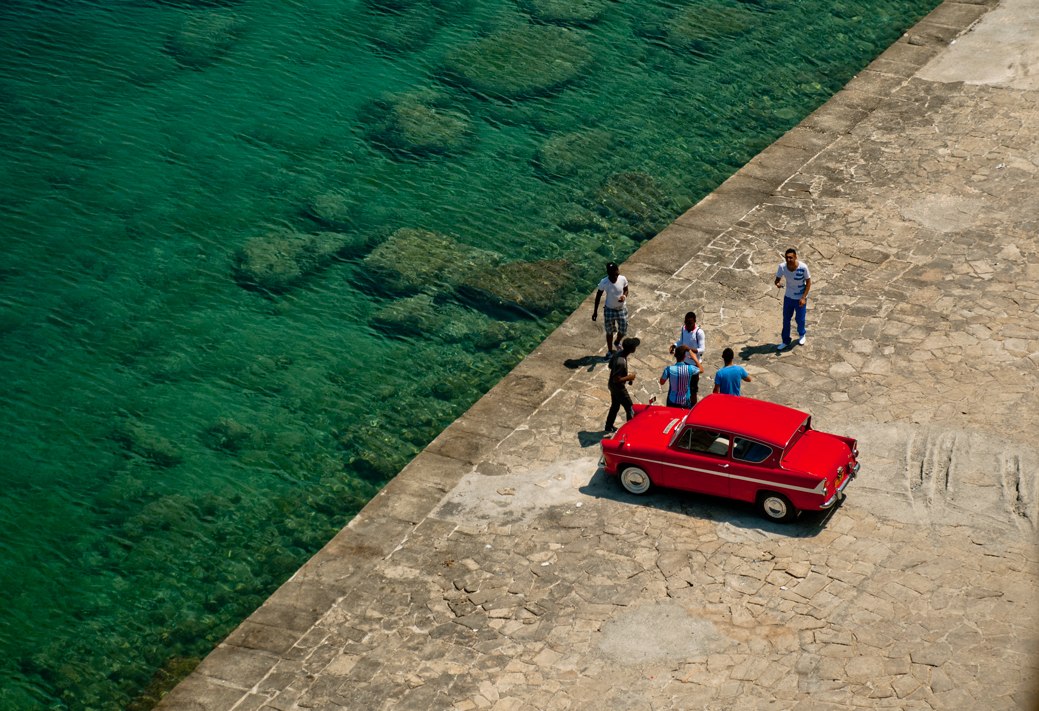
(615, 311)
(620, 376)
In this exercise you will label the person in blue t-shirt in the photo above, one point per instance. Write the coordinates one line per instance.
(730, 379)
(679, 377)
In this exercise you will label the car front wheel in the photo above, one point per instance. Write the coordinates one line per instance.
(776, 507)
(635, 480)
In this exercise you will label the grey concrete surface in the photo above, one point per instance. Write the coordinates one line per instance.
(502, 570)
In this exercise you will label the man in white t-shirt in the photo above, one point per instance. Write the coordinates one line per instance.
(615, 311)
(795, 299)
(692, 337)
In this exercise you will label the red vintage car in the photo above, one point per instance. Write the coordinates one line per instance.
(737, 448)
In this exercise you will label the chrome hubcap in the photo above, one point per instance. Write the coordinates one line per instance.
(774, 507)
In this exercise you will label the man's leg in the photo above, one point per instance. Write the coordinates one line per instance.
(799, 314)
(789, 306)
(626, 402)
(615, 406)
(622, 325)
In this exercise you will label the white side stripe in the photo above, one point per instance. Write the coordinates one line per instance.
(726, 475)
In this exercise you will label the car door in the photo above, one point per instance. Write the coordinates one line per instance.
(699, 461)
(751, 469)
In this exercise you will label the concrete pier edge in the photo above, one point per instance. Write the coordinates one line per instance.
(227, 677)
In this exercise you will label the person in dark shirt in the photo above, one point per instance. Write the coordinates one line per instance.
(620, 376)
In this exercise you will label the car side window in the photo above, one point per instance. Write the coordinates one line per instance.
(705, 442)
(748, 450)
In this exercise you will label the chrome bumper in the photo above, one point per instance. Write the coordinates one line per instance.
(840, 489)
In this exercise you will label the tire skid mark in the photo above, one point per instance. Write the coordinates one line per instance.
(969, 477)
(1018, 489)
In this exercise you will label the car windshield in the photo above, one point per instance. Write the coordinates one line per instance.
(680, 429)
(701, 441)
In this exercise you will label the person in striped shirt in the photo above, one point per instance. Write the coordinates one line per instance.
(679, 377)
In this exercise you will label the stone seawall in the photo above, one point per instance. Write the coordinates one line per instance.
(502, 570)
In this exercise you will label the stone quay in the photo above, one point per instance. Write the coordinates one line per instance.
(501, 569)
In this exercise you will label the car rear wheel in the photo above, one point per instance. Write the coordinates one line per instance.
(776, 507)
(635, 480)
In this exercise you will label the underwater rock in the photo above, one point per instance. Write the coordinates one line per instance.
(530, 288)
(524, 61)
(635, 199)
(417, 123)
(144, 441)
(403, 29)
(577, 153)
(332, 209)
(565, 12)
(413, 260)
(277, 260)
(423, 315)
(203, 38)
(704, 29)
(229, 435)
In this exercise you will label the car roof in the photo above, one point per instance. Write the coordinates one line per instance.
(756, 419)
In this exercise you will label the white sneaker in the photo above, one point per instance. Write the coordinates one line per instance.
(801, 340)
(781, 346)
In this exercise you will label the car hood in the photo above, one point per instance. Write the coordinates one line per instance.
(818, 453)
(652, 426)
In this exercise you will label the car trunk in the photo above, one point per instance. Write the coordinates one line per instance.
(817, 453)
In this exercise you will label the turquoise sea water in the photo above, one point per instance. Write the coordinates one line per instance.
(256, 254)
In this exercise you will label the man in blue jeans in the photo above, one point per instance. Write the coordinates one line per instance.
(795, 299)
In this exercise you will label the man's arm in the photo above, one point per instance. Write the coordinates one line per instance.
(624, 296)
(808, 287)
(598, 298)
(716, 389)
(746, 376)
(696, 359)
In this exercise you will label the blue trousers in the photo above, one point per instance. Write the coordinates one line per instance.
(792, 307)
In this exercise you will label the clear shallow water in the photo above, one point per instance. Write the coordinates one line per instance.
(216, 343)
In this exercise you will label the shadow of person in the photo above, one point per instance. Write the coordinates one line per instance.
(748, 351)
(590, 439)
(589, 360)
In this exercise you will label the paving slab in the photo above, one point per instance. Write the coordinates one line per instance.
(503, 570)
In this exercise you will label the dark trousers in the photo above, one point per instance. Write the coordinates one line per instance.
(618, 398)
